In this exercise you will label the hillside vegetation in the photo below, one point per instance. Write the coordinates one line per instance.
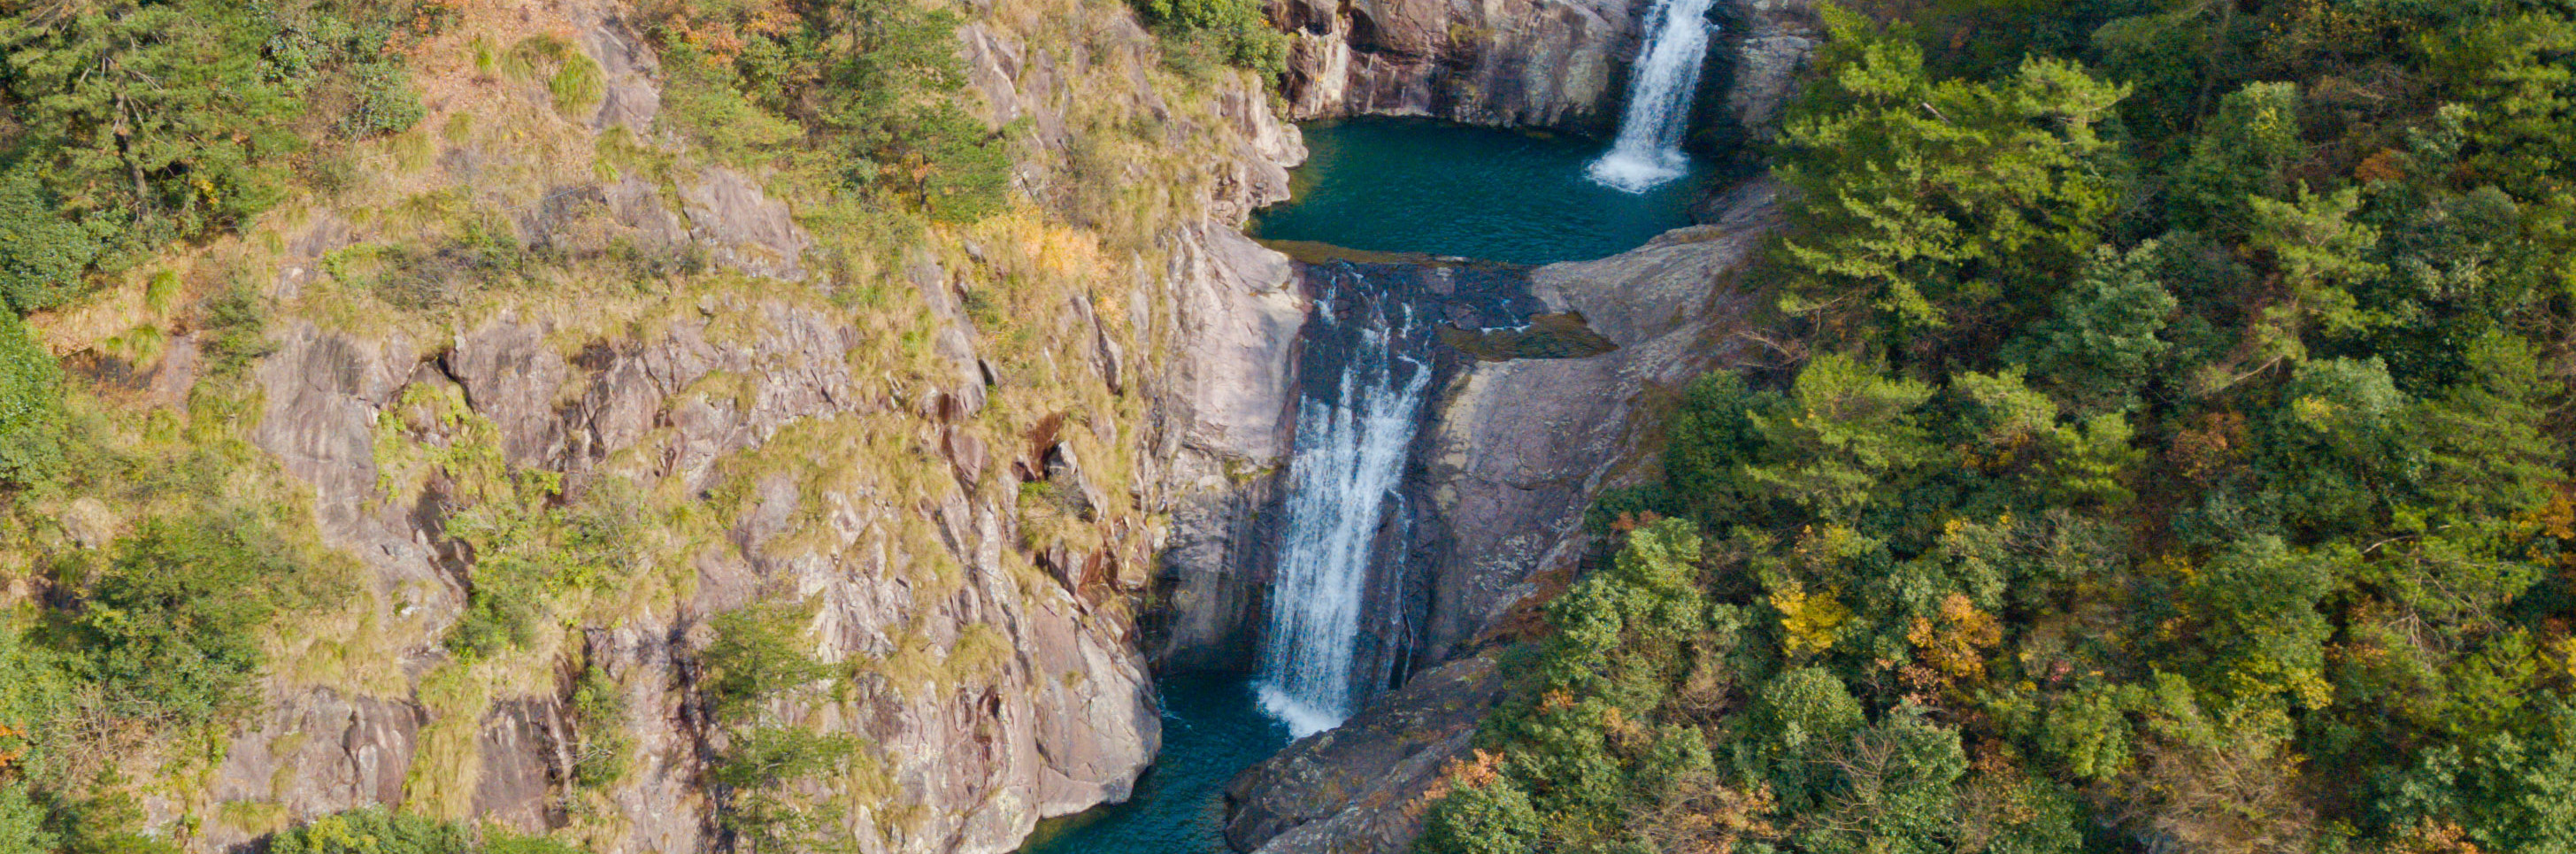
(185, 186)
(2172, 453)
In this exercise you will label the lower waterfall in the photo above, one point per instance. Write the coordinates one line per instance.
(1354, 438)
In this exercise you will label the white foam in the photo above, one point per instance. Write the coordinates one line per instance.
(1302, 719)
(1638, 173)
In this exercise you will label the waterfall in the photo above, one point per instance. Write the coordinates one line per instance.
(1649, 149)
(1353, 440)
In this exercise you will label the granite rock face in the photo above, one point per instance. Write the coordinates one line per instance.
(1232, 418)
(1770, 41)
(1388, 756)
(1521, 447)
(1036, 701)
(1520, 63)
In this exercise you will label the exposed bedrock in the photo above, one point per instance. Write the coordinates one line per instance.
(1559, 64)
(1389, 755)
(1058, 717)
(1537, 63)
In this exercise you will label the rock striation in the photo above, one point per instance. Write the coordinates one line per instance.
(1389, 756)
(999, 676)
(1519, 63)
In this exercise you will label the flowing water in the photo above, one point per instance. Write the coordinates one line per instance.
(1354, 436)
(1211, 731)
(1400, 185)
(1661, 89)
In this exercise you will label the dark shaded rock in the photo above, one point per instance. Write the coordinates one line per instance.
(511, 376)
(521, 746)
(1533, 63)
(1382, 761)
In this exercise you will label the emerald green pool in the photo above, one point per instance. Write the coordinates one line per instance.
(1392, 185)
(1212, 730)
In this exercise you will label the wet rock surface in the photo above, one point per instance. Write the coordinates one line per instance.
(1385, 759)
(1524, 63)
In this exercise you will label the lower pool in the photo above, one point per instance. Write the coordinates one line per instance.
(1397, 185)
(1212, 729)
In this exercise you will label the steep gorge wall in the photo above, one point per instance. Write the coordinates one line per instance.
(1557, 64)
(964, 458)
(1532, 63)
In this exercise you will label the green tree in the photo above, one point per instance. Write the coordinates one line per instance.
(2511, 792)
(1894, 792)
(22, 823)
(759, 652)
(1931, 201)
(1712, 438)
(1846, 430)
(31, 410)
(2102, 344)
(1491, 816)
(165, 112)
(2483, 447)
(43, 253)
(2244, 152)
(2257, 624)
(174, 628)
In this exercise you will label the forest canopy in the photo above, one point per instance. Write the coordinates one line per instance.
(2173, 455)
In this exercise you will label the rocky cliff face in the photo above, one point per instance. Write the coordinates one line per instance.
(1768, 42)
(1522, 63)
(1558, 64)
(1521, 447)
(878, 462)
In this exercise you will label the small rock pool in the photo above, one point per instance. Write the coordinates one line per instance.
(1402, 185)
(1212, 730)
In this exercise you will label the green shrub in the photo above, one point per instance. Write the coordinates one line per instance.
(235, 331)
(42, 253)
(31, 412)
(577, 87)
(759, 652)
(1235, 32)
(387, 102)
(373, 830)
(174, 629)
(599, 722)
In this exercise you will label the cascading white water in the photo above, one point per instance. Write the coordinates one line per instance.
(1348, 463)
(1666, 76)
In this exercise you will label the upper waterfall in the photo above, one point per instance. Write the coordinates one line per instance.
(1660, 89)
(1343, 480)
